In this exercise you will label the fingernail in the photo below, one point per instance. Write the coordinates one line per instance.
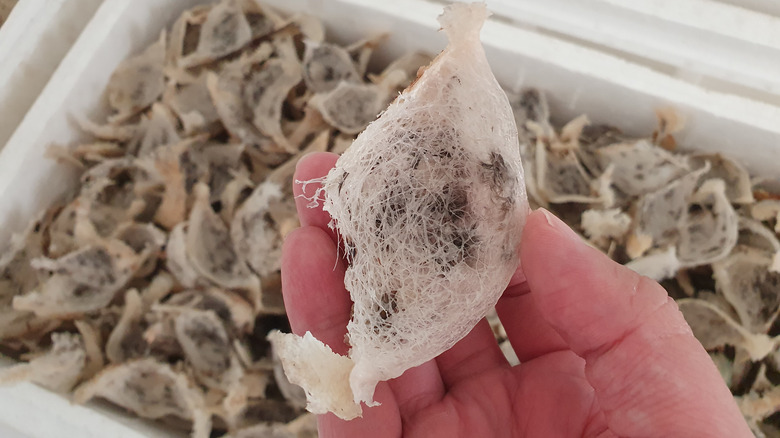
(560, 226)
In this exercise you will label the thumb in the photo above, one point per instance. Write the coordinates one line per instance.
(650, 375)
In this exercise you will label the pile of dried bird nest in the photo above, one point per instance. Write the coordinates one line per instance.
(696, 222)
(5, 9)
(155, 284)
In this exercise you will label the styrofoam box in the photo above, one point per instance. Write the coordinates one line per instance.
(35, 38)
(579, 79)
(728, 47)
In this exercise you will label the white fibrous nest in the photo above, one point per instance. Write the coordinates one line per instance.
(429, 202)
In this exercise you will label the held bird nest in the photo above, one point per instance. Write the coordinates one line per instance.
(430, 203)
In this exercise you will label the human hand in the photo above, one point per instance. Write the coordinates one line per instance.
(604, 352)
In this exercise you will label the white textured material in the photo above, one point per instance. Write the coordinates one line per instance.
(430, 203)
(579, 79)
(701, 41)
(323, 374)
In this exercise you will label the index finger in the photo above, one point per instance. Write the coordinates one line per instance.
(316, 301)
(313, 287)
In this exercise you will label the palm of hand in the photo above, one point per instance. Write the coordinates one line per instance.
(547, 397)
(603, 351)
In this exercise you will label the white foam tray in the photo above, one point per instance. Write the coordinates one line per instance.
(33, 41)
(722, 45)
(580, 79)
(28, 411)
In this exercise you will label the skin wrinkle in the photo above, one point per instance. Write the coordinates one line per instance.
(565, 309)
(481, 416)
(485, 420)
(417, 403)
(592, 427)
(414, 427)
(425, 382)
(568, 382)
(595, 358)
(457, 376)
(593, 371)
(489, 415)
(528, 426)
(582, 424)
(486, 356)
(637, 324)
(516, 401)
(511, 388)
